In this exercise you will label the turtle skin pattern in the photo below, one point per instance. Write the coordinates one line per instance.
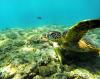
(54, 35)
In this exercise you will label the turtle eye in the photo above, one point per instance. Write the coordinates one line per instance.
(52, 34)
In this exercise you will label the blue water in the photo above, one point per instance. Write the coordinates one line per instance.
(24, 13)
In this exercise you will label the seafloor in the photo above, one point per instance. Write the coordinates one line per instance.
(25, 55)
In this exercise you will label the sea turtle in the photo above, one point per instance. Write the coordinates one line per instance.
(71, 40)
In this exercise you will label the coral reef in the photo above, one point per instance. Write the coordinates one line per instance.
(25, 54)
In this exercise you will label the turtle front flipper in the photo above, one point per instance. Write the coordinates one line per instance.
(76, 32)
(54, 38)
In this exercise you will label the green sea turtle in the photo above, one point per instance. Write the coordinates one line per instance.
(71, 40)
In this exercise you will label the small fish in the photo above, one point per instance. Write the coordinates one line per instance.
(39, 17)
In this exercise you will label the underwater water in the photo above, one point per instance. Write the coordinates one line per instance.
(25, 13)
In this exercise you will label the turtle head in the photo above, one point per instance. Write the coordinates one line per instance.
(54, 36)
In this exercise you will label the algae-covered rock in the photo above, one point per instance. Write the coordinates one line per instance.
(25, 54)
(81, 74)
(59, 76)
(22, 60)
(47, 70)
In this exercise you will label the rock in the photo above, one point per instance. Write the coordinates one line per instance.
(37, 59)
(81, 74)
(47, 70)
(59, 76)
